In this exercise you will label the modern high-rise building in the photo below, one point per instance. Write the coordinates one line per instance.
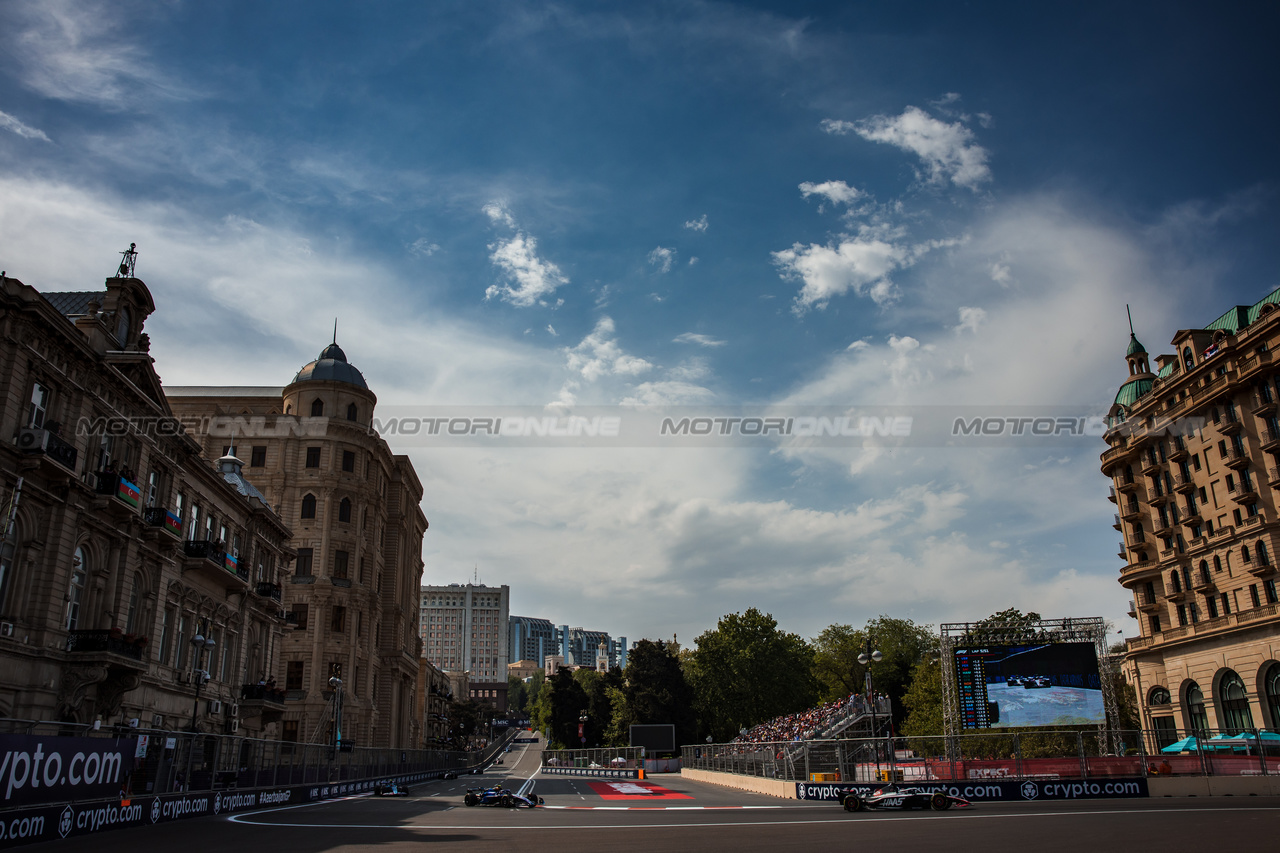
(358, 528)
(1194, 461)
(464, 627)
(531, 638)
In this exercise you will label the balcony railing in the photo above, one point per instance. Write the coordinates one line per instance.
(125, 645)
(159, 516)
(214, 554)
(46, 443)
(262, 693)
(113, 485)
(268, 590)
(1235, 457)
(1270, 439)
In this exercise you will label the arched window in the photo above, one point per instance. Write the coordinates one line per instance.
(1175, 580)
(308, 506)
(1188, 360)
(1204, 570)
(1159, 696)
(1244, 553)
(1235, 703)
(1262, 553)
(75, 595)
(344, 510)
(1195, 709)
(351, 411)
(6, 568)
(317, 408)
(1271, 688)
(1217, 563)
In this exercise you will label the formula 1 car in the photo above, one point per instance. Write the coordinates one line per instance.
(500, 796)
(389, 789)
(895, 797)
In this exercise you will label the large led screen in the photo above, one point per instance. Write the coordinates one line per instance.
(1052, 684)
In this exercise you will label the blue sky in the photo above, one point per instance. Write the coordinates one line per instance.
(602, 204)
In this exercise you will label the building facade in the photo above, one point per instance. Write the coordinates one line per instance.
(530, 638)
(1194, 461)
(358, 531)
(464, 628)
(139, 582)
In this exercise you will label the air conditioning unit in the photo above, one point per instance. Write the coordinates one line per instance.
(235, 709)
(6, 629)
(215, 706)
(233, 726)
(133, 722)
(32, 440)
(157, 721)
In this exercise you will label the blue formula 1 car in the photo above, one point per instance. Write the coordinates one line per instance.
(500, 796)
(389, 789)
(896, 797)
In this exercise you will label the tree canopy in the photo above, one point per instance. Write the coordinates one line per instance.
(653, 689)
(746, 671)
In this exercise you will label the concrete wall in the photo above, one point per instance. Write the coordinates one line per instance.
(756, 784)
(1214, 786)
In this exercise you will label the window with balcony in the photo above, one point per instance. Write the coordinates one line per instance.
(1262, 552)
(1253, 595)
(1269, 589)
(1212, 606)
(1226, 604)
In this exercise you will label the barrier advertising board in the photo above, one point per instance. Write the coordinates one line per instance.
(997, 790)
(35, 770)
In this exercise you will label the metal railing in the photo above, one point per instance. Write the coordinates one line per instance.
(1048, 754)
(605, 758)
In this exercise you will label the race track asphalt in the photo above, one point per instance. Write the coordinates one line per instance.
(675, 814)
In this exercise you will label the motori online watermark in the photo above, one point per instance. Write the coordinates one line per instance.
(794, 426)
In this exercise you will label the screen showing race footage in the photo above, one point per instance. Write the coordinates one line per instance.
(1051, 684)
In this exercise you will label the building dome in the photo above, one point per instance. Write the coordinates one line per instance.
(1131, 391)
(1135, 346)
(332, 366)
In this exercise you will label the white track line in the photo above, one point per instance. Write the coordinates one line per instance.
(560, 828)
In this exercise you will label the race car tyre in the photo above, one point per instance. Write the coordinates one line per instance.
(939, 803)
(506, 801)
(541, 801)
(470, 799)
(852, 804)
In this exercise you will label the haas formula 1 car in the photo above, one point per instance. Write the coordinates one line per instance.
(500, 796)
(895, 797)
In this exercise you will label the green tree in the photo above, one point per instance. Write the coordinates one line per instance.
(835, 661)
(652, 690)
(517, 694)
(923, 700)
(560, 702)
(746, 671)
(468, 719)
(902, 643)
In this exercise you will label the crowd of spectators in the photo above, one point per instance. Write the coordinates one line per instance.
(807, 724)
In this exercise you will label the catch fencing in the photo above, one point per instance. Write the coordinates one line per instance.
(1023, 755)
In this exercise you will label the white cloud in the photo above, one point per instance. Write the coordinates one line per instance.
(26, 131)
(699, 224)
(860, 264)
(948, 150)
(838, 192)
(667, 393)
(423, 247)
(693, 260)
(535, 279)
(1000, 271)
(552, 332)
(599, 355)
(662, 258)
(499, 214)
(700, 340)
(970, 319)
(857, 345)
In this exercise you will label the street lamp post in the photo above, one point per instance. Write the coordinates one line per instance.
(199, 675)
(866, 658)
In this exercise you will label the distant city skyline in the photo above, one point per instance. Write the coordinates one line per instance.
(837, 209)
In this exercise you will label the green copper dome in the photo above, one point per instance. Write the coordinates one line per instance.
(1135, 346)
(1131, 391)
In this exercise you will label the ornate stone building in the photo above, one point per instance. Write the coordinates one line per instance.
(1194, 461)
(121, 544)
(358, 529)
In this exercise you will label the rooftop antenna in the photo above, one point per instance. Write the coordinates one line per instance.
(129, 257)
(1130, 315)
(335, 329)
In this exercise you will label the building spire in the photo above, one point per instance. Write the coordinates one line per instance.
(335, 327)
(1126, 311)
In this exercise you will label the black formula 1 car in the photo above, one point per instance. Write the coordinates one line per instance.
(389, 789)
(897, 797)
(500, 796)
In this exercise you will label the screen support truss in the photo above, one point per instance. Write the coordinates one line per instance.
(1092, 629)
